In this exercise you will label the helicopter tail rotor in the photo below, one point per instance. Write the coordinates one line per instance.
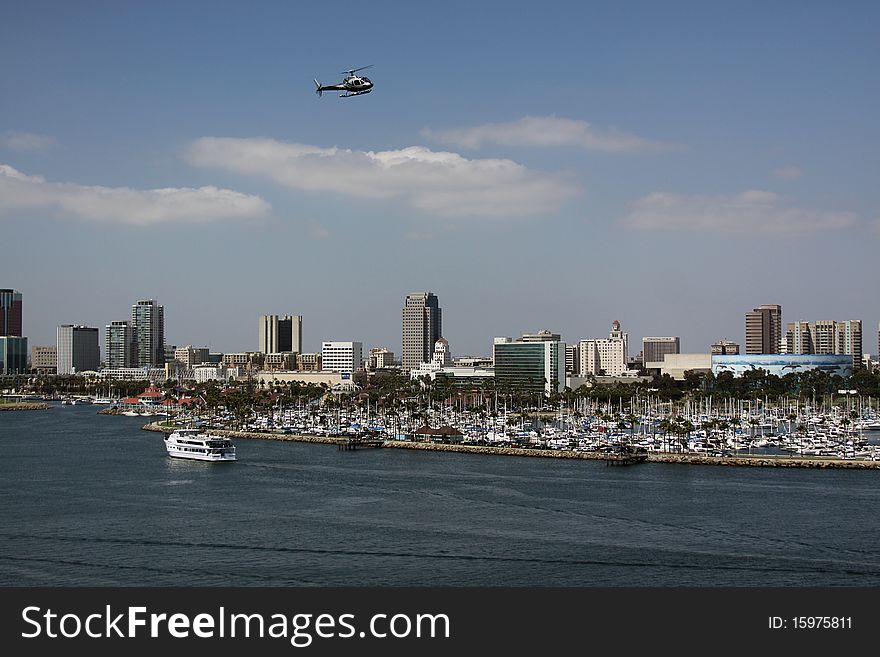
(318, 88)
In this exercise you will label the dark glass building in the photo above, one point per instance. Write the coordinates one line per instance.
(10, 312)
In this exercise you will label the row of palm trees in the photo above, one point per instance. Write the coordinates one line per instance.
(389, 393)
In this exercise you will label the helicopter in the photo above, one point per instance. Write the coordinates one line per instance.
(352, 85)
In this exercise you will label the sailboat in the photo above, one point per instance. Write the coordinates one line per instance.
(105, 400)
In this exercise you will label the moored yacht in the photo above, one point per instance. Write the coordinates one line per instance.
(199, 446)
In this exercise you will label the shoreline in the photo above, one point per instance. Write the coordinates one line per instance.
(682, 459)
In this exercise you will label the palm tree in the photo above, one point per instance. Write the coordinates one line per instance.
(631, 418)
(735, 422)
(666, 426)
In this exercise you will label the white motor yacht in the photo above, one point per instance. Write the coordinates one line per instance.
(199, 446)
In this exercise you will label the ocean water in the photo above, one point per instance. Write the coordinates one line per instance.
(93, 500)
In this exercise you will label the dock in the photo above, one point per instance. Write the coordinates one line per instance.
(351, 444)
(625, 459)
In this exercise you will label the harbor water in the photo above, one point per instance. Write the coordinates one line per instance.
(87, 499)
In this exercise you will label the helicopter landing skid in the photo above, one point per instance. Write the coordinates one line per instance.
(355, 93)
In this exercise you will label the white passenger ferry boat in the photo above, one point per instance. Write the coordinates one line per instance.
(197, 445)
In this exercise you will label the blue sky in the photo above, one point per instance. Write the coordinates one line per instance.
(555, 165)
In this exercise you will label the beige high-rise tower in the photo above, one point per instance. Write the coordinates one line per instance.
(826, 337)
(421, 328)
(764, 329)
(280, 334)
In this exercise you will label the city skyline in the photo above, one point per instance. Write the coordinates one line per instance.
(254, 344)
(670, 167)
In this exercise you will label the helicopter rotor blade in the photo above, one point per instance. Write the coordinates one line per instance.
(355, 70)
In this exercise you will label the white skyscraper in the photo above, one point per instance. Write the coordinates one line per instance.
(606, 356)
(344, 357)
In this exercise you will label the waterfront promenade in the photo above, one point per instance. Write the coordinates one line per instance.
(781, 461)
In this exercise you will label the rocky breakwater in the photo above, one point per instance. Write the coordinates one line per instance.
(24, 406)
(253, 435)
(765, 461)
(112, 410)
(497, 451)
(689, 459)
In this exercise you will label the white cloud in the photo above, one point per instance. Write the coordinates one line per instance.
(789, 172)
(749, 213)
(26, 142)
(124, 205)
(548, 131)
(438, 182)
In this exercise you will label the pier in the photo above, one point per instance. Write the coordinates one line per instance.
(625, 459)
(351, 444)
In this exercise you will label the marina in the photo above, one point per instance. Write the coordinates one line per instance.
(107, 507)
(746, 432)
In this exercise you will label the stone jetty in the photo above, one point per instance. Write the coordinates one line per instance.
(691, 459)
(781, 461)
(24, 406)
(254, 435)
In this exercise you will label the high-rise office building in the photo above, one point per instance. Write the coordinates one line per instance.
(529, 366)
(148, 324)
(280, 334)
(654, 349)
(422, 327)
(78, 349)
(764, 329)
(13, 347)
(119, 345)
(13, 355)
(826, 337)
(10, 313)
(344, 357)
